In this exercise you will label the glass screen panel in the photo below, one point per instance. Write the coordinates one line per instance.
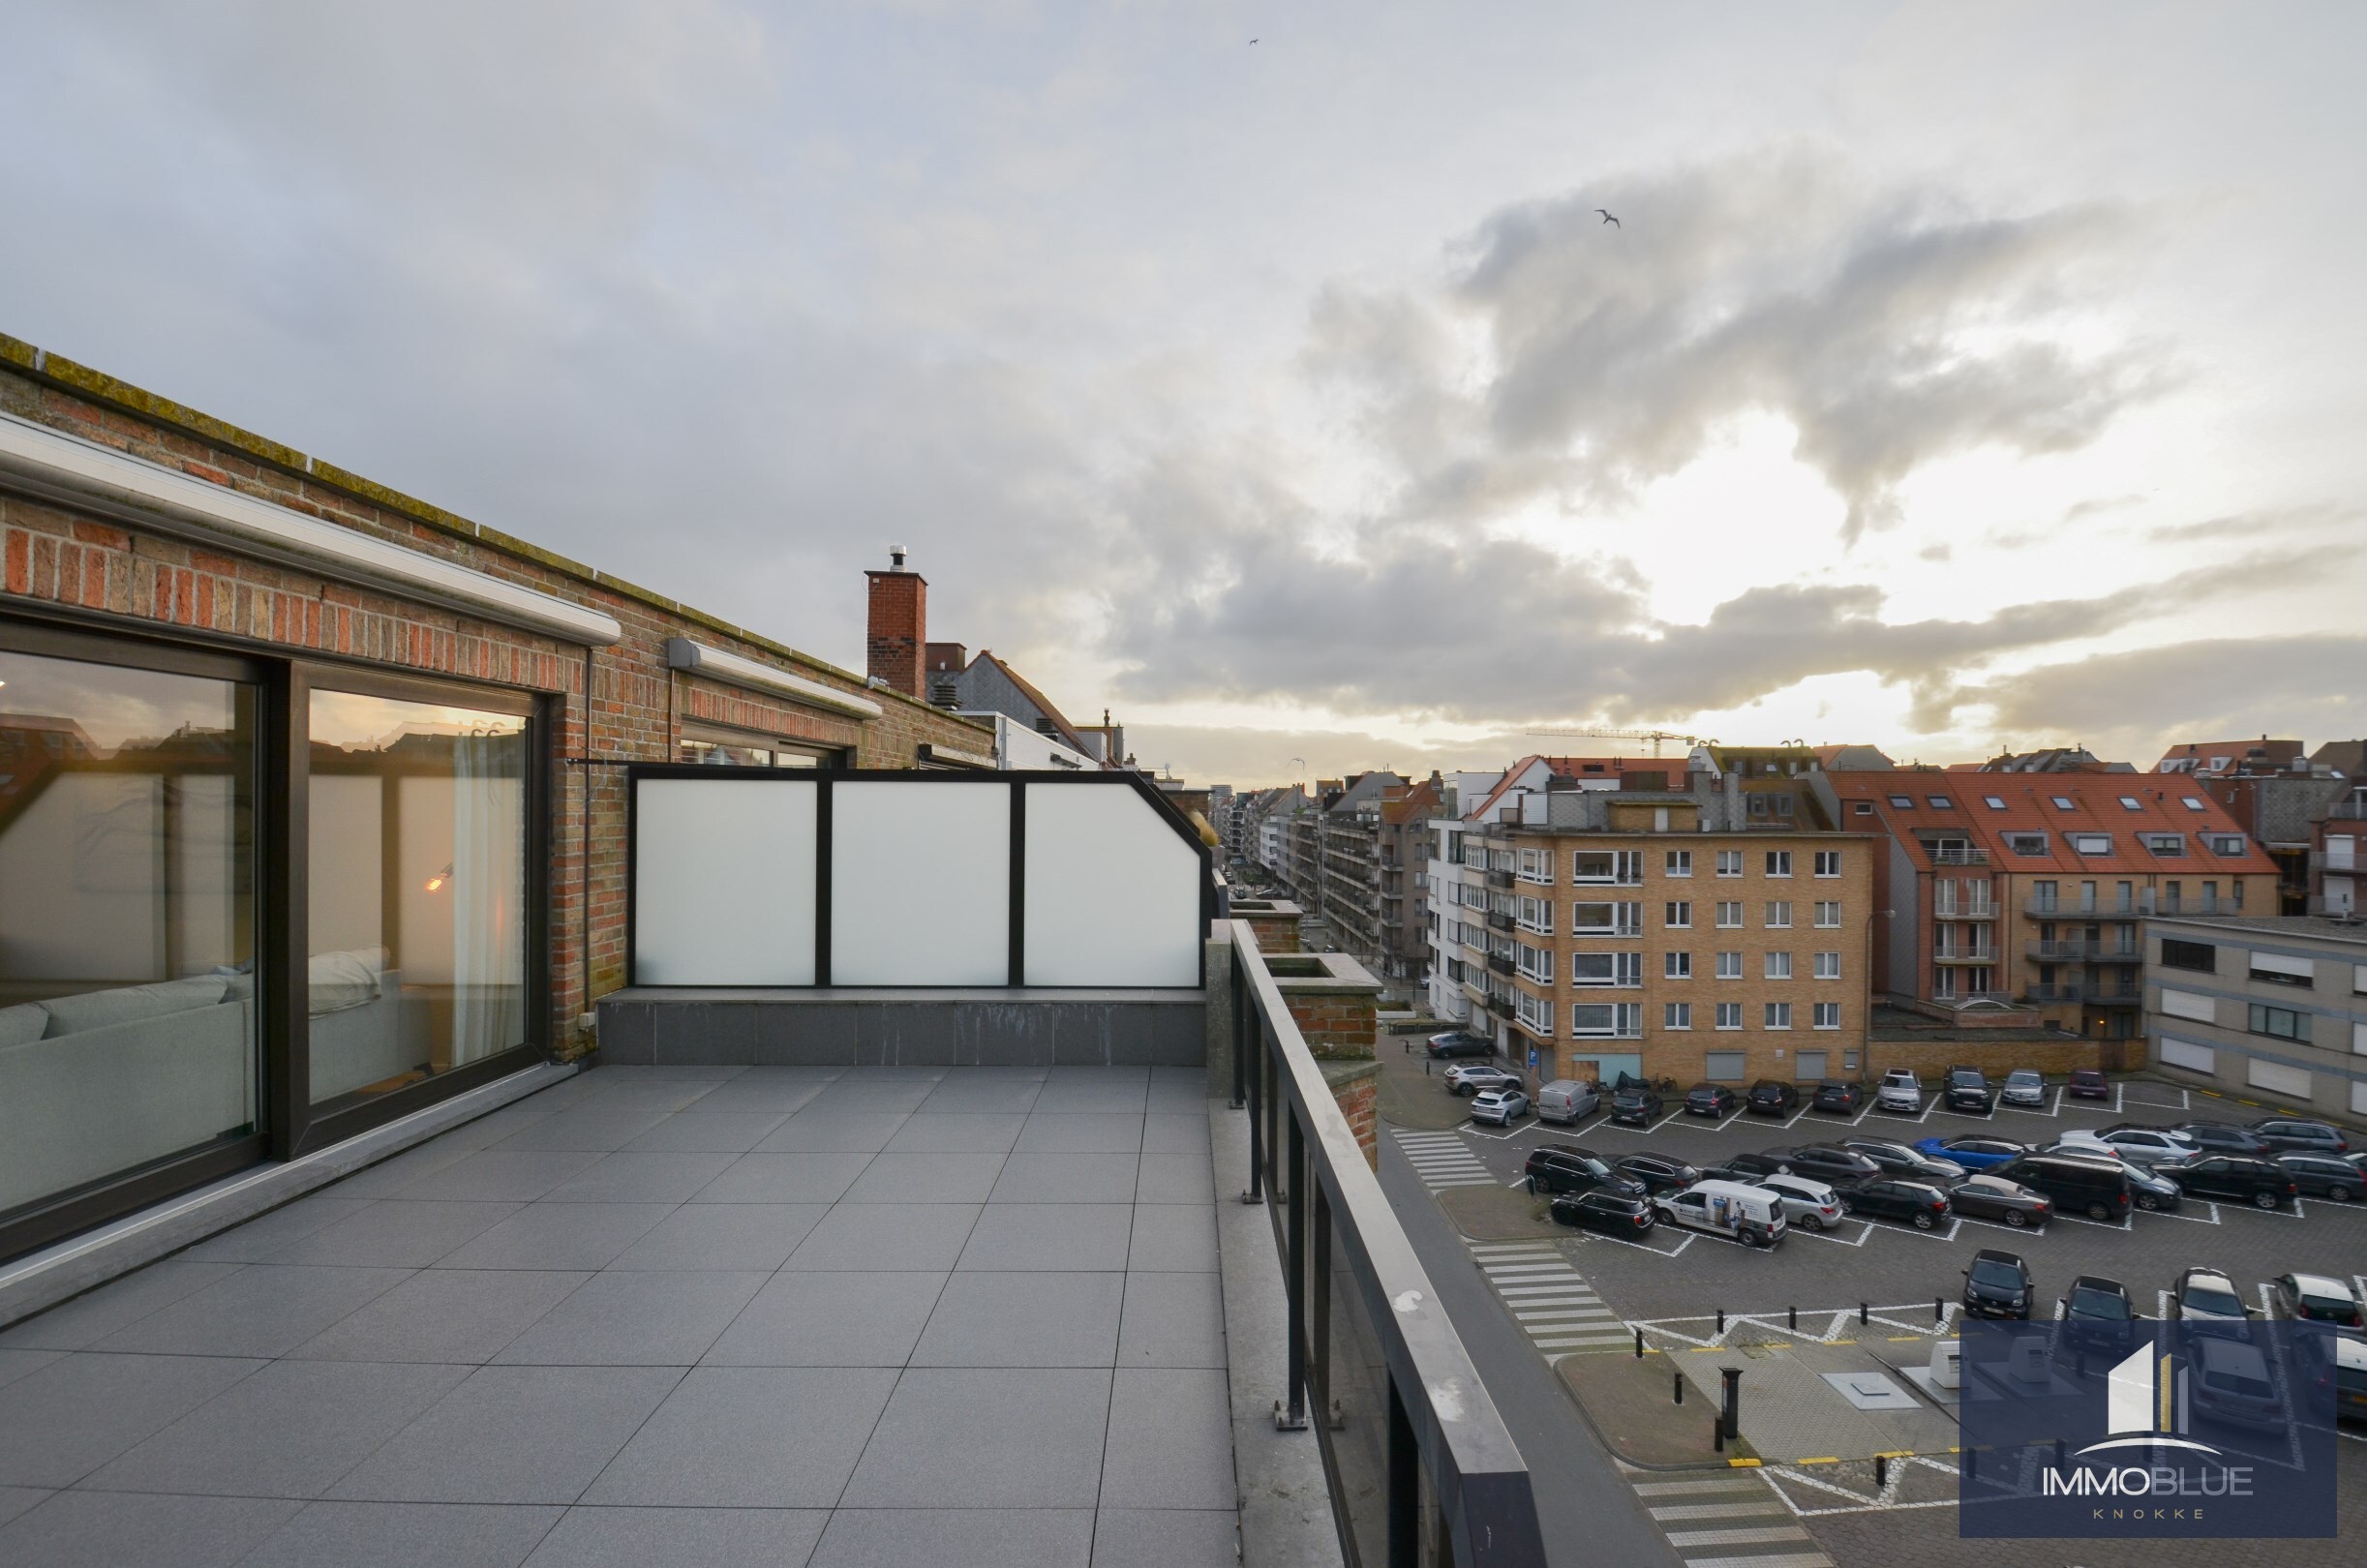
(127, 920)
(417, 890)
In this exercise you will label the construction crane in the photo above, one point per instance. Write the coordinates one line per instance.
(1656, 737)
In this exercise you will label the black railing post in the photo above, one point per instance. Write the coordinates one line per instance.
(1256, 1123)
(1294, 1208)
(1240, 1027)
(1405, 1486)
(1320, 1333)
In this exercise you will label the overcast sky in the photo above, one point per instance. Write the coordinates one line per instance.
(1955, 377)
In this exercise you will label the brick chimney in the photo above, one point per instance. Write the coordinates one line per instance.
(896, 635)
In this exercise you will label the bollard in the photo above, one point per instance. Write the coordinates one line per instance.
(1794, 1315)
(1939, 1310)
(1717, 1435)
(1639, 1344)
(2058, 1453)
(1972, 1464)
(1721, 1320)
(1678, 1397)
(1882, 1471)
(1733, 1400)
(1862, 1311)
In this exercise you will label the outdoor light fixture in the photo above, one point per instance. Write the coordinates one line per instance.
(435, 883)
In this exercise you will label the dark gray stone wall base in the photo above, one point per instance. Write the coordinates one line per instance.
(847, 1027)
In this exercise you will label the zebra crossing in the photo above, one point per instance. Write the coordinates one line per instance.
(1706, 1519)
(1442, 1159)
(1551, 1301)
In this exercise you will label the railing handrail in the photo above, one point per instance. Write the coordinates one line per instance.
(1476, 1475)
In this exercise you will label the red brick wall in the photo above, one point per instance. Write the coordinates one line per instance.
(1358, 1101)
(895, 635)
(1275, 933)
(1334, 1025)
(614, 704)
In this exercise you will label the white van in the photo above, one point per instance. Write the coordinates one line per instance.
(1750, 1215)
(1567, 1101)
(1900, 1091)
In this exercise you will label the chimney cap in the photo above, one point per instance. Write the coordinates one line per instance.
(895, 558)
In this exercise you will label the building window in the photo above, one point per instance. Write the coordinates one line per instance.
(1864, 808)
(1677, 966)
(2062, 803)
(1779, 966)
(2130, 802)
(1779, 914)
(716, 747)
(1678, 915)
(1730, 1015)
(1619, 867)
(1828, 914)
(2224, 843)
(2091, 843)
(1724, 1066)
(2026, 843)
(1828, 1015)
(1903, 803)
(1621, 970)
(1730, 914)
(2276, 969)
(2164, 844)
(1677, 1015)
(1778, 862)
(1680, 863)
(1606, 920)
(1828, 966)
(1615, 1020)
(1779, 1015)
(1729, 863)
(1828, 862)
(1729, 966)
(1536, 914)
(2192, 803)
(2282, 1023)
(1940, 802)
(2201, 956)
(1993, 802)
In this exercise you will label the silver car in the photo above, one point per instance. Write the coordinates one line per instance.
(1470, 1077)
(2024, 1086)
(1811, 1205)
(1503, 1106)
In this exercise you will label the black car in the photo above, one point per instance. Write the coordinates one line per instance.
(1747, 1167)
(1840, 1098)
(1569, 1169)
(1968, 1091)
(1710, 1100)
(1826, 1164)
(2098, 1319)
(1993, 1197)
(2262, 1183)
(1635, 1105)
(1998, 1284)
(1455, 1042)
(1897, 1159)
(2150, 1190)
(2098, 1187)
(1614, 1214)
(2325, 1176)
(2284, 1132)
(1773, 1097)
(1918, 1203)
(2218, 1137)
(1657, 1173)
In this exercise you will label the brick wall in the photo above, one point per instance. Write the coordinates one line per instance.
(1357, 1092)
(1275, 933)
(613, 705)
(1335, 1026)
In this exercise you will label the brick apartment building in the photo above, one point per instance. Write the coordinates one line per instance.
(1405, 856)
(1700, 931)
(314, 810)
(2000, 892)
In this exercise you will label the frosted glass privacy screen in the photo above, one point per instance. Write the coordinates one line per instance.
(920, 883)
(724, 882)
(1113, 894)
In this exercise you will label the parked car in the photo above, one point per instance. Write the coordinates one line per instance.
(2230, 1382)
(1998, 1284)
(2088, 1083)
(1842, 1098)
(1614, 1214)
(1567, 1169)
(2316, 1298)
(2219, 1137)
(1967, 1091)
(1897, 1159)
(2262, 1183)
(1470, 1078)
(1503, 1106)
(1710, 1100)
(1771, 1097)
(2143, 1144)
(2096, 1186)
(1919, 1203)
(2283, 1132)
(2024, 1086)
(1567, 1101)
(1993, 1197)
(1973, 1151)
(2150, 1190)
(1748, 1167)
(1809, 1204)
(1749, 1215)
(1656, 1173)
(2098, 1319)
(1900, 1090)
(2207, 1296)
(2331, 1369)
(2325, 1176)
(1456, 1042)
(1634, 1106)
(1826, 1163)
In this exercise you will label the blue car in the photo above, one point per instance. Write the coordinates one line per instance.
(1972, 1152)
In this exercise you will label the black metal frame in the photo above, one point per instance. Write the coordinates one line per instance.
(1460, 1457)
(1015, 781)
(286, 1124)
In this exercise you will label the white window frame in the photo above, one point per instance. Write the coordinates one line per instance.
(1828, 862)
(1831, 922)
(1778, 862)
(1534, 963)
(1777, 966)
(1828, 1015)
(1729, 1016)
(1729, 966)
(1677, 864)
(1778, 914)
(1828, 966)
(2090, 844)
(1677, 1015)
(1677, 914)
(1778, 1015)
(1729, 914)
(1676, 966)
(1729, 863)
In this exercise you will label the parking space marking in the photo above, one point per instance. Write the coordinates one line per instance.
(1865, 1228)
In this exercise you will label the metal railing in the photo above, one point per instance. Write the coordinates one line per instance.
(1958, 857)
(2148, 901)
(1947, 911)
(2087, 953)
(1500, 879)
(2075, 991)
(1420, 1465)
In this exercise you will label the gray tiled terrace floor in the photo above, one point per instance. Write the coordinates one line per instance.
(683, 1316)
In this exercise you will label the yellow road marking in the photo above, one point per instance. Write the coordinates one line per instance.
(1825, 1460)
(1743, 1464)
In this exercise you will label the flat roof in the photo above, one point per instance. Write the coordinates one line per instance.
(2320, 927)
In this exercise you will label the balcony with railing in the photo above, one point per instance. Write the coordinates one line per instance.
(1500, 879)
(1502, 964)
(1957, 855)
(1955, 909)
(2146, 901)
(1964, 956)
(2109, 993)
(1501, 919)
(2085, 952)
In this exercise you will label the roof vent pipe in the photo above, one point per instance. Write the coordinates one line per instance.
(895, 558)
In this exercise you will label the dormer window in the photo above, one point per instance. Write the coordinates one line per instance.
(2164, 843)
(2224, 843)
(2091, 843)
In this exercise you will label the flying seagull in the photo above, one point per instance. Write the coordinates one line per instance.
(1608, 219)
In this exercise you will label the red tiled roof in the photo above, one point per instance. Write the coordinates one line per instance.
(2198, 756)
(2028, 807)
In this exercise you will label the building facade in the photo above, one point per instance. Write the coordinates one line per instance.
(314, 808)
(2271, 1010)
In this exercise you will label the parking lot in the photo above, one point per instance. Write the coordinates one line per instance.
(1675, 1276)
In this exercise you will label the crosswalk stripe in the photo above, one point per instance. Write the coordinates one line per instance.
(1507, 1271)
(1690, 1488)
(1521, 1249)
(1758, 1537)
(1782, 1559)
(1686, 1511)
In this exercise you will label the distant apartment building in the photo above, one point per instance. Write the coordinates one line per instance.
(1683, 927)
(2273, 792)
(2338, 853)
(1404, 877)
(1999, 894)
(2267, 1008)
(2046, 760)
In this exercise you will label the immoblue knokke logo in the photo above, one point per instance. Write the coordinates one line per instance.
(2146, 1405)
